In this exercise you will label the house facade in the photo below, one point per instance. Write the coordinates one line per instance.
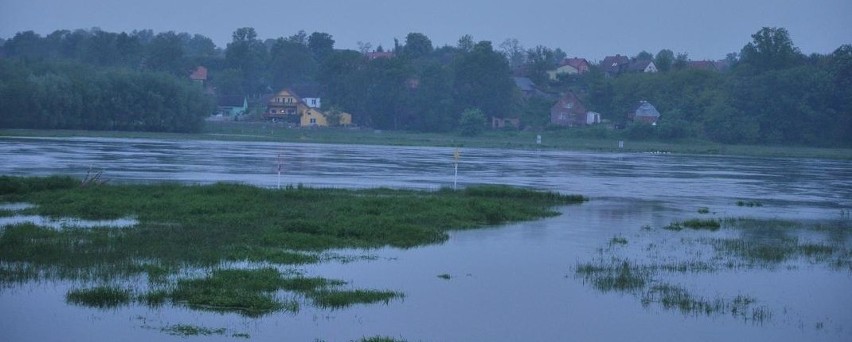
(288, 107)
(581, 64)
(568, 112)
(563, 69)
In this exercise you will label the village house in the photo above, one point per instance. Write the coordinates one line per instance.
(199, 75)
(644, 113)
(642, 66)
(581, 64)
(563, 69)
(570, 112)
(231, 105)
(614, 65)
(286, 106)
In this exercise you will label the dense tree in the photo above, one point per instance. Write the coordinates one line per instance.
(482, 80)
(247, 54)
(321, 45)
(771, 49)
(417, 45)
(472, 122)
(664, 60)
(513, 52)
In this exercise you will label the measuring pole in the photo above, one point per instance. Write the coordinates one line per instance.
(456, 157)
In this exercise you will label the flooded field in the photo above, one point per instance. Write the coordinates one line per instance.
(510, 283)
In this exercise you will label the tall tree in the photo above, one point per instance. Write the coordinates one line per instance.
(247, 54)
(664, 59)
(483, 80)
(513, 52)
(417, 45)
(771, 49)
(321, 45)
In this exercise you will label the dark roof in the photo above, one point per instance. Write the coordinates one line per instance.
(639, 65)
(230, 100)
(702, 65)
(525, 84)
(614, 63)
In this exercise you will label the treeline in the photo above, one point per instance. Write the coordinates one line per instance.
(58, 95)
(769, 93)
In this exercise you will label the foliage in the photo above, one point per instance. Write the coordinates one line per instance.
(472, 122)
(767, 93)
(74, 96)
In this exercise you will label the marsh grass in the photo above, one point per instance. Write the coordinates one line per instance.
(336, 299)
(99, 297)
(749, 204)
(201, 227)
(703, 210)
(759, 244)
(445, 276)
(380, 339)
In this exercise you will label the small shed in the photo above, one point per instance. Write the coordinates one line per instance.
(645, 112)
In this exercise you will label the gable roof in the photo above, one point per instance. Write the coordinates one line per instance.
(569, 103)
(646, 109)
(614, 64)
(577, 63)
(639, 65)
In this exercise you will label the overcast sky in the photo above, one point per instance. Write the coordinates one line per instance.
(585, 28)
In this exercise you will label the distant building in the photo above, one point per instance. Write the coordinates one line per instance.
(563, 69)
(645, 113)
(614, 65)
(581, 64)
(702, 65)
(199, 75)
(642, 66)
(231, 105)
(287, 106)
(568, 111)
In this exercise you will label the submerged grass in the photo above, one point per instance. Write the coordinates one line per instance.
(203, 227)
(759, 244)
(100, 297)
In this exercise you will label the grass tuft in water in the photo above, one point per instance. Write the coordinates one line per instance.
(99, 297)
(696, 224)
(703, 210)
(445, 276)
(335, 299)
(192, 330)
(380, 339)
(617, 240)
(749, 204)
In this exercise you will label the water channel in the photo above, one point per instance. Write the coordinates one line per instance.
(509, 283)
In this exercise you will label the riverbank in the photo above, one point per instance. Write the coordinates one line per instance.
(569, 139)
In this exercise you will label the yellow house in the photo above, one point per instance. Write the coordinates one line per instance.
(314, 117)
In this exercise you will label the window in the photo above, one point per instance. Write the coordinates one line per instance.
(313, 120)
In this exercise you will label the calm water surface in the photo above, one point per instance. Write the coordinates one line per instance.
(510, 283)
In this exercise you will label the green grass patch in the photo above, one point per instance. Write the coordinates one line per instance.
(184, 227)
(99, 297)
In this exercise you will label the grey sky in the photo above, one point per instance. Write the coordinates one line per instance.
(584, 28)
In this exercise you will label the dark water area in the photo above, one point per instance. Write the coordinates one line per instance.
(509, 283)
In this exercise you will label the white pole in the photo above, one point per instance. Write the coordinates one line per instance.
(456, 157)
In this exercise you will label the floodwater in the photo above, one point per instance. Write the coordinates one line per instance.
(511, 283)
